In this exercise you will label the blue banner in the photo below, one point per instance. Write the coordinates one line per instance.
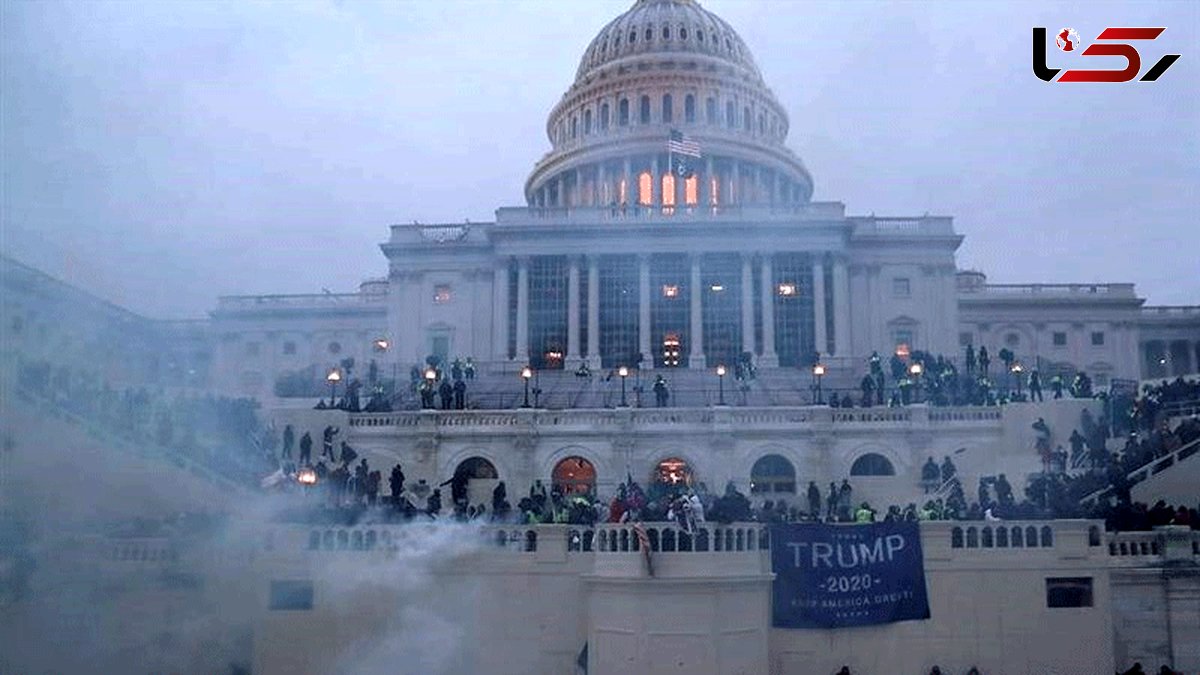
(832, 576)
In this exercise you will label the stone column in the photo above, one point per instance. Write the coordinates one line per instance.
(577, 192)
(747, 303)
(769, 358)
(501, 309)
(706, 186)
(696, 337)
(593, 317)
(644, 312)
(625, 178)
(735, 184)
(821, 339)
(522, 352)
(603, 191)
(655, 183)
(573, 351)
(841, 308)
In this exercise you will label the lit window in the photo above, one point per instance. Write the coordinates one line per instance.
(1060, 339)
(668, 189)
(1098, 339)
(901, 287)
(645, 187)
(787, 289)
(691, 190)
(670, 291)
(442, 294)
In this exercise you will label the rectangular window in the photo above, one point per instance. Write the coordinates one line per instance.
(291, 595)
(710, 110)
(1068, 592)
(442, 294)
(1060, 339)
(965, 339)
(903, 337)
(901, 287)
(1098, 339)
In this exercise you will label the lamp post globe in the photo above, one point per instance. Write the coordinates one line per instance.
(818, 372)
(721, 384)
(526, 375)
(333, 378)
(623, 372)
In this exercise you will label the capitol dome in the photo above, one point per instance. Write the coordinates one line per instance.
(668, 69)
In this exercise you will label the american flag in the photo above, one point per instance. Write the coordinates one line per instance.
(644, 544)
(681, 144)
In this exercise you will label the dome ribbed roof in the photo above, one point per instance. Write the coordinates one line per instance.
(669, 27)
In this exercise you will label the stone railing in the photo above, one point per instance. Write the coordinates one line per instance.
(148, 550)
(925, 225)
(389, 538)
(535, 216)
(669, 538)
(1171, 311)
(1051, 290)
(916, 416)
(1171, 545)
(299, 301)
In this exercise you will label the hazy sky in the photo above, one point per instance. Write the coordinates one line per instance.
(163, 153)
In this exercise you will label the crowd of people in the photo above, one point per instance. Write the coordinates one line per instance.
(222, 433)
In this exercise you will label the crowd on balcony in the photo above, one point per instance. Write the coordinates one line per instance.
(221, 433)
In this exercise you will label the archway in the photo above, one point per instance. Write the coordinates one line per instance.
(574, 475)
(480, 478)
(673, 471)
(872, 464)
(772, 473)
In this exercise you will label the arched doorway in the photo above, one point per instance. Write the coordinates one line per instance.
(481, 478)
(773, 473)
(574, 475)
(673, 471)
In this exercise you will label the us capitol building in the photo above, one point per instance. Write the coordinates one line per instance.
(668, 231)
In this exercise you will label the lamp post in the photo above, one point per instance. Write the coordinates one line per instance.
(526, 375)
(915, 370)
(818, 371)
(1018, 371)
(721, 384)
(333, 378)
(623, 371)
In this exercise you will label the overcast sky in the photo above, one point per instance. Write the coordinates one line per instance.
(163, 153)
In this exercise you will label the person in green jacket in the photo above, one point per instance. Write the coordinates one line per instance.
(864, 514)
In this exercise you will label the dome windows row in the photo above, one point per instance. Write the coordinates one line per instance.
(599, 118)
(624, 41)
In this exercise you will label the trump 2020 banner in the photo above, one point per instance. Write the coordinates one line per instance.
(831, 576)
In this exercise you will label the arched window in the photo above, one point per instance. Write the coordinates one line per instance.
(872, 464)
(587, 122)
(335, 347)
(644, 110)
(668, 108)
(666, 32)
(773, 473)
(668, 189)
(730, 115)
(633, 36)
(649, 34)
(603, 117)
(682, 33)
(689, 108)
(1047, 536)
(972, 538)
(956, 538)
(574, 475)
(574, 127)
(746, 118)
(645, 188)
(710, 109)
(673, 471)
(623, 112)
